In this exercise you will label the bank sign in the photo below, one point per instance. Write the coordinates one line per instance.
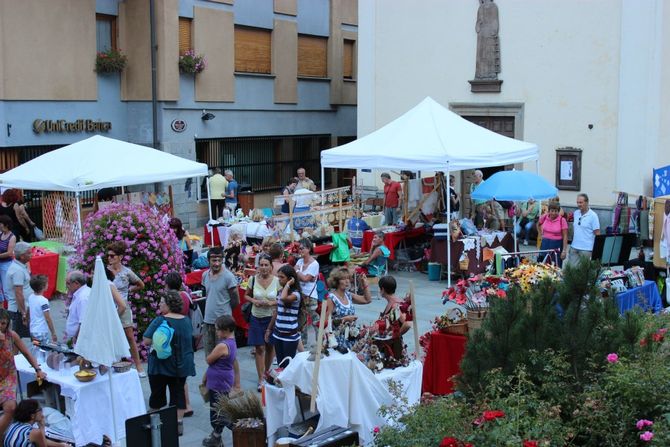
(64, 126)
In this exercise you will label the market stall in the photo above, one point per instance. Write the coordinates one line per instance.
(95, 163)
(468, 255)
(429, 137)
(392, 238)
(88, 405)
(350, 395)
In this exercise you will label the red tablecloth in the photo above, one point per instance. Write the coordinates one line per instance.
(391, 240)
(46, 264)
(195, 278)
(323, 249)
(208, 237)
(442, 362)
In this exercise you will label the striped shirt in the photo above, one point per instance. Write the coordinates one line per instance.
(18, 435)
(286, 324)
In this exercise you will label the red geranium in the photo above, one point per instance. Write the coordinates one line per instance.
(449, 441)
(492, 415)
(530, 444)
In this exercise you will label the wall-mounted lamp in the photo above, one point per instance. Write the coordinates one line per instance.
(206, 116)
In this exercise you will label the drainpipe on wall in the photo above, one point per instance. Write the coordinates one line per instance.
(154, 103)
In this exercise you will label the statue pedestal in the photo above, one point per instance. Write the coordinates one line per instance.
(485, 85)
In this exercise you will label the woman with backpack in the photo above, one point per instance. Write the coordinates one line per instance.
(284, 331)
(171, 359)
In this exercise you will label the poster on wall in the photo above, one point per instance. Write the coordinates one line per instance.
(662, 181)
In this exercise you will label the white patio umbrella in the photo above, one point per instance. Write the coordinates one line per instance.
(101, 337)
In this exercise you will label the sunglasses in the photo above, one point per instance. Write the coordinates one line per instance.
(579, 222)
(111, 255)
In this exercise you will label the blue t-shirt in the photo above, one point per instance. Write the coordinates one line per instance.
(232, 187)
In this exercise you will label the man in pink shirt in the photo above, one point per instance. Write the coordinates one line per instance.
(554, 230)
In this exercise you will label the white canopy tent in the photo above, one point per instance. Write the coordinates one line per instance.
(99, 162)
(430, 137)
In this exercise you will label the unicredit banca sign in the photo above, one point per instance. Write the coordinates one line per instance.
(64, 126)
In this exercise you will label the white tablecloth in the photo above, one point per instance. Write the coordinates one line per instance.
(89, 405)
(349, 393)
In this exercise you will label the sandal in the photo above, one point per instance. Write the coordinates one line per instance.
(188, 413)
(180, 427)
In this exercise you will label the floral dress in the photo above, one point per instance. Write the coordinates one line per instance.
(340, 311)
(7, 370)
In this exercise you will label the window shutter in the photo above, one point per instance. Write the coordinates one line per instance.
(253, 50)
(184, 35)
(348, 65)
(312, 56)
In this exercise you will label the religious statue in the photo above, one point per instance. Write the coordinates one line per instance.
(488, 42)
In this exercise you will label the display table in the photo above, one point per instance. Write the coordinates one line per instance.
(645, 296)
(194, 278)
(56, 247)
(391, 239)
(442, 362)
(48, 264)
(349, 393)
(476, 264)
(89, 405)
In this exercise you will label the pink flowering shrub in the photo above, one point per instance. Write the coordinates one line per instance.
(152, 250)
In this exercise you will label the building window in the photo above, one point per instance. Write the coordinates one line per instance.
(253, 50)
(265, 163)
(185, 41)
(105, 29)
(312, 56)
(348, 63)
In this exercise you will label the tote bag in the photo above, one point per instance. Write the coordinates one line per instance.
(196, 320)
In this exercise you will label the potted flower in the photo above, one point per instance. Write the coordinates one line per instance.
(192, 63)
(110, 61)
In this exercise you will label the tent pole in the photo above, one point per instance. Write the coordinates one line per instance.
(111, 395)
(79, 225)
(323, 198)
(537, 166)
(447, 186)
(209, 199)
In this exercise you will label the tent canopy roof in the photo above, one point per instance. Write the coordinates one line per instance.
(429, 137)
(100, 162)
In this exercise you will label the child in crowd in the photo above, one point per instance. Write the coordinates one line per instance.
(38, 316)
(220, 375)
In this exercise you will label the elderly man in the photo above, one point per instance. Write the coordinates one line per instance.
(586, 226)
(79, 291)
(231, 191)
(478, 209)
(17, 288)
(304, 182)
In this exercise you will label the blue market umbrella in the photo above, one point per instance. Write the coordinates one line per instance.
(514, 186)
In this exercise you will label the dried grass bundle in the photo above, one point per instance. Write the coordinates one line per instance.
(243, 405)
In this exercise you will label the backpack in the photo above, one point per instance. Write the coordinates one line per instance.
(162, 340)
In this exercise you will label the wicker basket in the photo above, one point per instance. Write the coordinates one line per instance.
(475, 318)
(456, 328)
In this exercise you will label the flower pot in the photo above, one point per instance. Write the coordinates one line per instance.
(475, 318)
(249, 437)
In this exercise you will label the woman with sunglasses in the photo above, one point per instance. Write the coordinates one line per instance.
(27, 430)
(262, 294)
(9, 342)
(126, 281)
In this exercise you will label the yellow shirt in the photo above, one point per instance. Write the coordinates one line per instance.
(217, 186)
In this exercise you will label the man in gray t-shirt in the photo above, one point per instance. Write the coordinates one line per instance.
(222, 297)
(17, 288)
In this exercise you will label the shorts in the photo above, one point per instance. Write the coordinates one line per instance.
(158, 399)
(17, 324)
(127, 317)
